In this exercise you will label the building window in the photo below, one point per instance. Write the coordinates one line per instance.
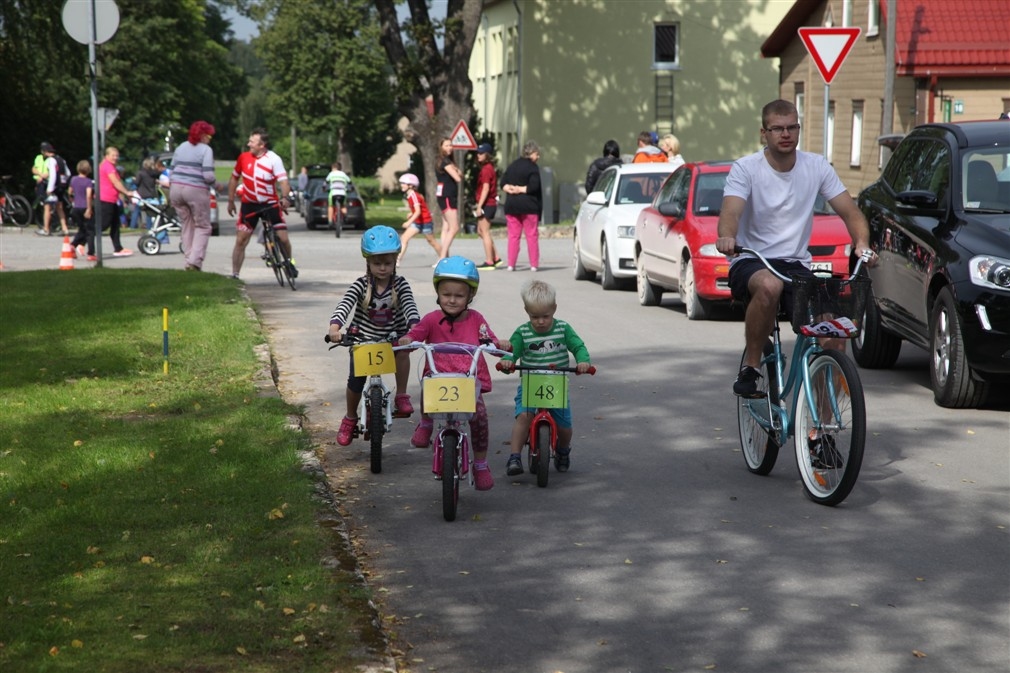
(666, 46)
(855, 154)
(829, 131)
(873, 19)
(512, 40)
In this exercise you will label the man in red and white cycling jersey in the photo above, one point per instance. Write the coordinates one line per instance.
(262, 176)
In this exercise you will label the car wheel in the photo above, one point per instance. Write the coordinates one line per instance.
(607, 281)
(873, 347)
(580, 272)
(953, 383)
(695, 307)
(648, 294)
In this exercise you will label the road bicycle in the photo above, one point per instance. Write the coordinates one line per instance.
(450, 400)
(14, 208)
(376, 409)
(543, 389)
(826, 415)
(274, 256)
(338, 215)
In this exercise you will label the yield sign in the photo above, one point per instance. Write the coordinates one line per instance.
(461, 137)
(829, 47)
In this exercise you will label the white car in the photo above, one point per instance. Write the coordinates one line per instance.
(605, 226)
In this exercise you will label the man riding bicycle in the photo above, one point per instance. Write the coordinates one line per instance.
(337, 181)
(768, 206)
(262, 175)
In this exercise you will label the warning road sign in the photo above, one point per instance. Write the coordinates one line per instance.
(829, 47)
(461, 137)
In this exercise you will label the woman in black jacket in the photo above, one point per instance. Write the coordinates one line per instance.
(521, 182)
(611, 157)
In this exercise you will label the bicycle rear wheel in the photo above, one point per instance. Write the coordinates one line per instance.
(19, 209)
(338, 221)
(542, 438)
(450, 474)
(757, 418)
(376, 427)
(829, 450)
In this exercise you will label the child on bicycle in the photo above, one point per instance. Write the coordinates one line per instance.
(543, 341)
(379, 303)
(419, 221)
(456, 280)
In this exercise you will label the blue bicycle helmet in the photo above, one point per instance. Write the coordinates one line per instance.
(381, 240)
(456, 268)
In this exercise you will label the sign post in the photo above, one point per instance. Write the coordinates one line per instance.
(462, 140)
(828, 47)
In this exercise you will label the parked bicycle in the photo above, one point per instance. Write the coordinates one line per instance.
(827, 413)
(543, 390)
(14, 208)
(450, 399)
(376, 409)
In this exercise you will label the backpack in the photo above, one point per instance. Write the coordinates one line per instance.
(63, 173)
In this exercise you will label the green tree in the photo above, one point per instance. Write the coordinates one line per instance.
(424, 72)
(327, 76)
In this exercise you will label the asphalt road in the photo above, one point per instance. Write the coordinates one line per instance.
(658, 551)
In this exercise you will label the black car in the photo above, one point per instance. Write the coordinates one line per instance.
(940, 221)
(316, 203)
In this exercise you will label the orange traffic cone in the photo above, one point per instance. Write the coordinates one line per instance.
(67, 256)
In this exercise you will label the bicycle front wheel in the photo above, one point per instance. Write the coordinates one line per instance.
(450, 474)
(757, 419)
(376, 427)
(830, 428)
(20, 210)
(542, 438)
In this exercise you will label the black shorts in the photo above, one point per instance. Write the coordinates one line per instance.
(446, 202)
(741, 271)
(488, 212)
(250, 214)
(337, 199)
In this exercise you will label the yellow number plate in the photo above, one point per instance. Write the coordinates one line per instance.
(449, 394)
(374, 360)
(545, 390)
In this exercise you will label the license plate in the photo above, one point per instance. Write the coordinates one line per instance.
(820, 266)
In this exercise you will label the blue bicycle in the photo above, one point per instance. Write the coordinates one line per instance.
(826, 414)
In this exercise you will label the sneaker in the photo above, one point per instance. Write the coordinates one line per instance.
(42, 232)
(402, 406)
(498, 262)
(511, 268)
(92, 258)
(746, 383)
(346, 432)
(823, 453)
(487, 266)
(122, 253)
(421, 437)
(292, 269)
(562, 461)
(533, 269)
(482, 479)
(514, 466)
(192, 267)
(81, 251)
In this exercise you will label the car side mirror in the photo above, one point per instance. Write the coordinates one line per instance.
(671, 209)
(917, 198)
(597, 198)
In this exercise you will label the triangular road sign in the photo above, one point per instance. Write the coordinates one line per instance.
(461, 137)
(829, 47)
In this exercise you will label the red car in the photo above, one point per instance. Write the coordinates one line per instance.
(675, 240)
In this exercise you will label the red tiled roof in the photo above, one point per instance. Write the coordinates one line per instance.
(934, 37)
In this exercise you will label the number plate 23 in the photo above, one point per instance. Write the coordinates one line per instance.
(449, 394)
(374, 360)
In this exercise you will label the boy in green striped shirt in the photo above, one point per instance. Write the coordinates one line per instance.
(542, 342)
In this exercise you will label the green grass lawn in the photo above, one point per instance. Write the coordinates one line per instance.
(156, 522)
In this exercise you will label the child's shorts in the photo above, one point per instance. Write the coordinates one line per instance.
(426, 228)
(563, 417)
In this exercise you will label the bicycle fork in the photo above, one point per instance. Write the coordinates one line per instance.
(463, 457)
(542, 416)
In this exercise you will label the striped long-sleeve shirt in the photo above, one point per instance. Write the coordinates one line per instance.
(193, 165)
(393, 310)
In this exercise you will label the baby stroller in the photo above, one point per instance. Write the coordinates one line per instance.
(164, 221)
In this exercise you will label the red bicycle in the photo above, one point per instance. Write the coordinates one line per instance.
(543, 389)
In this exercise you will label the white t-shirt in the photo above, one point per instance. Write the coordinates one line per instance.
(779, 215)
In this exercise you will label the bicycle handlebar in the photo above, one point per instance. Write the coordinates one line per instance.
(553, 368)
(865, 257)
(352, 336)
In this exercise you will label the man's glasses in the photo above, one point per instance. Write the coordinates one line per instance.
(777, 130)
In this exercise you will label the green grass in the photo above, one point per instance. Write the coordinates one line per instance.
(149, 521)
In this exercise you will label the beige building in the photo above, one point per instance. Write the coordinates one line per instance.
(951, 63)
(572, 74)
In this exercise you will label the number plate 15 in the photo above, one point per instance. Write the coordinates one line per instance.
(449, 394)
(545, 390)
(374, 360)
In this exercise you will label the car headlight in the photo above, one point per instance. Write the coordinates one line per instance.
(989, 271)
(626, 231)
(709, 250)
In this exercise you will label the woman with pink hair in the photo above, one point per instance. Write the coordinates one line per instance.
(192, 177)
